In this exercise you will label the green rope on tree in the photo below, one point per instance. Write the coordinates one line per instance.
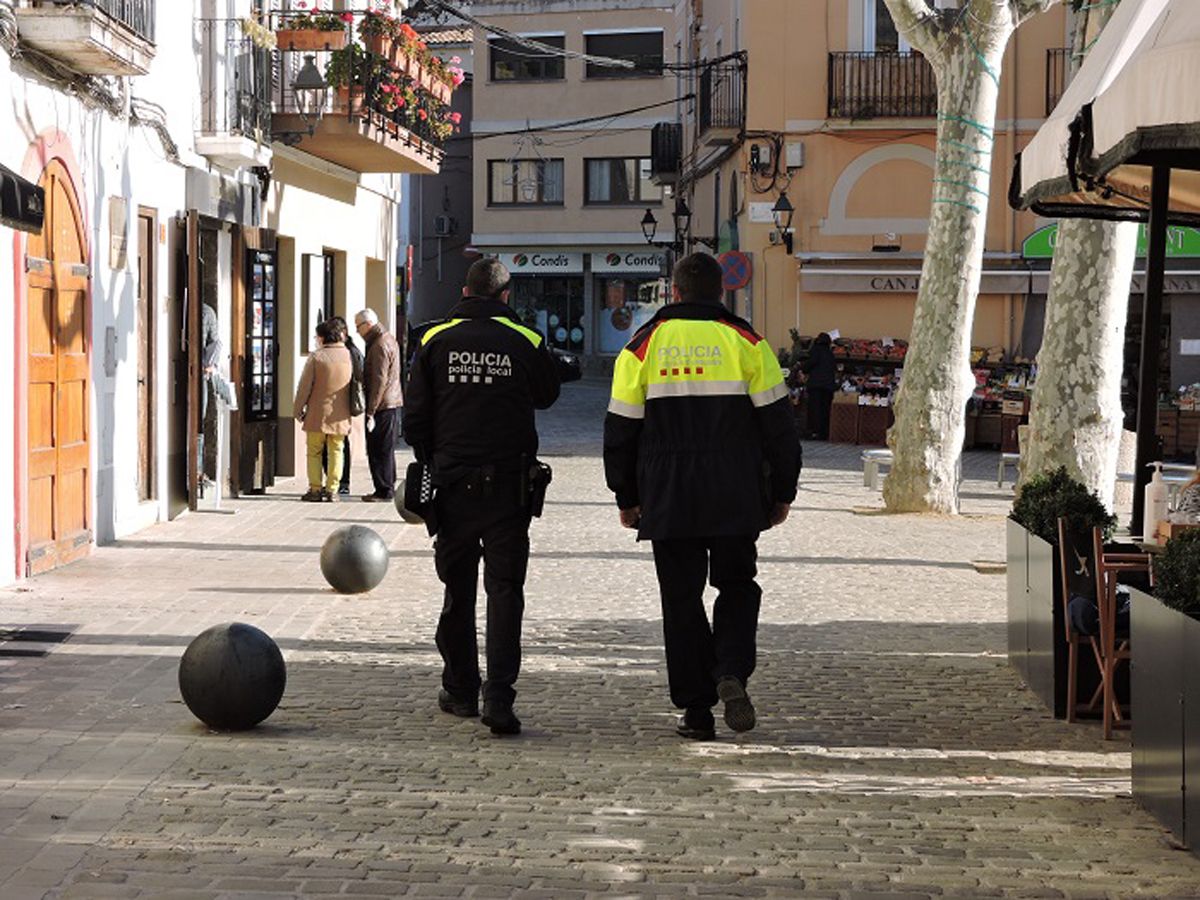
(962, 203)
(992, 73)
(963, 184)
(967, 165)
(982, 129)
(961, 146)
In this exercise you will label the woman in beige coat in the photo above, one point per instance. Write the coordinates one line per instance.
(323, 408)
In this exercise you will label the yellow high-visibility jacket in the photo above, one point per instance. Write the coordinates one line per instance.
(700, 432)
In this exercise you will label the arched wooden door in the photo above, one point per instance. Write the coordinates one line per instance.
(59, 498)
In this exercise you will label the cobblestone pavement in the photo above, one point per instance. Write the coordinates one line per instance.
(897, 753)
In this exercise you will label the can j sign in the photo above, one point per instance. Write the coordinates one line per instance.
(1182, 242)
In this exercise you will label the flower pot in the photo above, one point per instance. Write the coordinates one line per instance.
(379, 44)
(349, 101)
(309, 39)
(408, 64)
(1166, 715)
(442, 90)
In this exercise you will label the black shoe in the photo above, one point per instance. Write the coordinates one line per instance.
(313, 495)
(500, 718)
(739, 711)
(464, 709)
(697, 725)
(344, 490)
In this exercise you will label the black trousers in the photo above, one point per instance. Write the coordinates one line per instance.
(381, 451)
(820, 403)
(474, 523)
(699, 655)
(345, 484)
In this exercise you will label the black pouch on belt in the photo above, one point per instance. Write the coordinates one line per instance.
(539, 477)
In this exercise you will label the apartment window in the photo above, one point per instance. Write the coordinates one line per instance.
(510, 61)
(620, 181)
(642, 48)
(881, 34)
(525, 182)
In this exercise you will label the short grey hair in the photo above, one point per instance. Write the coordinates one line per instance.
(366, 317)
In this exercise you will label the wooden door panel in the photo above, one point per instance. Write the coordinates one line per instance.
(59, 383)
(72, 502)
(41, 509)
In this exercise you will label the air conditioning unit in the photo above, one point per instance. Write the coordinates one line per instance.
(444, 226)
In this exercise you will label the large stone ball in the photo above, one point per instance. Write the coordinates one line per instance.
(232, 676)
(406, 514)
(354, 559)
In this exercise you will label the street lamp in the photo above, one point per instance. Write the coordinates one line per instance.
(311, 89)
(682, 217)
(649, 226)
(782, 213)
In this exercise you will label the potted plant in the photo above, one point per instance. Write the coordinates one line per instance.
(409, 50)
(312, 29)
(379, 31)
(1165, 661)
(347, 73)
(1037, 646)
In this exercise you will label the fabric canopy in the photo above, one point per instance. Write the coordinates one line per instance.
(1134, 102)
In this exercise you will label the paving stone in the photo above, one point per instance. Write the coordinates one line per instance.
(897, 753)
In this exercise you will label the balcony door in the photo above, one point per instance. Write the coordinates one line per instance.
(60, 525)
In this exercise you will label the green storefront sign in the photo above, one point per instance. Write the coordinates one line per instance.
(1181, 242)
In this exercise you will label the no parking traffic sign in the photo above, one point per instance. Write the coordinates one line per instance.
(736, 268)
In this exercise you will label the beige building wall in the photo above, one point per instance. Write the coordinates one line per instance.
(574, 232)
(862, 182)
(317, 208)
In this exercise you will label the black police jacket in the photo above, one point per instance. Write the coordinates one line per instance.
(700, 432)
(475, 383)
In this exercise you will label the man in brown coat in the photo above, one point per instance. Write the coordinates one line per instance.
(323, 407)
(381, 384)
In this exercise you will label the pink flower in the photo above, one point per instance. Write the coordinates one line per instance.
(399, 102)
(347, 17)
(455, 117)
(301, 4)
(422, 115)
(455, 60)
(459, 78)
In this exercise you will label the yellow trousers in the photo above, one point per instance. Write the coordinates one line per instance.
(331, 444)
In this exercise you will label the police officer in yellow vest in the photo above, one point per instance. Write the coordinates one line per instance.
(701, 451)
(469, 413)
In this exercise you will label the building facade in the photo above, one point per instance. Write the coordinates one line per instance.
(823, 100)
(561, 162)
(199, 214)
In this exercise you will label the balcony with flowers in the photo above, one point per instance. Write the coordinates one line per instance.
(384, 103)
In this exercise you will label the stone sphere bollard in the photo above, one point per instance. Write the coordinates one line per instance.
(354, 559)
(232, 676)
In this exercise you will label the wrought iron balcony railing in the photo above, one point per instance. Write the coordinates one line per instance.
(235, 81)
(1058, 67)
(136, 15)
(723, 95)
(666, 152)
(869, 85)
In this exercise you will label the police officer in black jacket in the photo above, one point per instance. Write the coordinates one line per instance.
(701, 451)
(469, 413)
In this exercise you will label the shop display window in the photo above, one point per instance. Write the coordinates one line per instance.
(623, 305)
(554, 306)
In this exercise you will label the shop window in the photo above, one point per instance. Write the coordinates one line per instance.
(525, 182)
(554, 306)
(619, 180)
(511, 61)
(623, 305)
(642, 48)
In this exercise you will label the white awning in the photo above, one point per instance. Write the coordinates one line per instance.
(1133, 100)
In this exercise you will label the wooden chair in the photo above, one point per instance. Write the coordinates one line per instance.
(1091, 572)
(1114, 647)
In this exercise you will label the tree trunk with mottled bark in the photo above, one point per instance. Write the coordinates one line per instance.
(1075, 418)
(966, 48)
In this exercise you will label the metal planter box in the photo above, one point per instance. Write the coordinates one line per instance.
(1044, 628)
(1166, 724)
(1018, 597)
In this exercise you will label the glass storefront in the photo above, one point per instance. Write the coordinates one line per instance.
(554, 306)
(623, 304)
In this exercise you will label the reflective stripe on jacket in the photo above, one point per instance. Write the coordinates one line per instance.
(700, 432)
